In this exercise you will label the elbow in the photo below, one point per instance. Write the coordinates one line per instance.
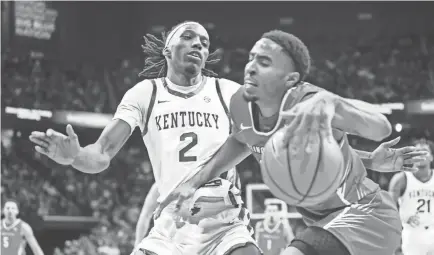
(100, 166)
(383, 130)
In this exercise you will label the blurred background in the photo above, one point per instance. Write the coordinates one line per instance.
(71, 62)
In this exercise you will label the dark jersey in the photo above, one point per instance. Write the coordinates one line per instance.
(355, 185)
(271, 240)
(12, 238)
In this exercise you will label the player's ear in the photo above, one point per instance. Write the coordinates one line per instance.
(166, 52)
(291, 79)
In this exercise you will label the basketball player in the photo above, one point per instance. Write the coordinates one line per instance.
(274, 233)
(359, 218)
(182, 113)
(414, 194)
(16, 232)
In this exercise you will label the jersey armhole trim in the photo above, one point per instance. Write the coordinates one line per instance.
(150, 107)
(222, 101)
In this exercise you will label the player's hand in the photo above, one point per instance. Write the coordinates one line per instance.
(413, 221)
(306, 120)
(387, 159)
(180, 195)
(57, 146)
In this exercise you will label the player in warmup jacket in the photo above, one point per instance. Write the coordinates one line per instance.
(274, 233)
(359, 218)
(16, 233)
(182, 113)
(414, 194)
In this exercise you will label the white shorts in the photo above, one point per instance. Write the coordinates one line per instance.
(214, 238)
(221, 226)
(418, 241)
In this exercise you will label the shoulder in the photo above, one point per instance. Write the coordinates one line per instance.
(26, 228)
(143, 87)
(305, 90)
(228, 88)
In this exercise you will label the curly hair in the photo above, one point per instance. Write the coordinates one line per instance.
(295, 48)
(155, 62)
(423, 141)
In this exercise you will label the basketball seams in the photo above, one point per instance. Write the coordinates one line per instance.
(279, 188)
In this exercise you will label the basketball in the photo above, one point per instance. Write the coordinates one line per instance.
(304, 181)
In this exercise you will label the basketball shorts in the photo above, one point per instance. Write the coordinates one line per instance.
(372, 226)
(418, 241)
(214, 235)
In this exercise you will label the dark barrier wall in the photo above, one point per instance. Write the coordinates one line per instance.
(103, 32)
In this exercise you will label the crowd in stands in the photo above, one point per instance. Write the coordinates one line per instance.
(380, 70)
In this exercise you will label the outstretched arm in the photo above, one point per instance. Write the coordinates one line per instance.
(145, 217)
(230, 154)
(31, 240)
(96, 157)
(358, 118)
(350, 116)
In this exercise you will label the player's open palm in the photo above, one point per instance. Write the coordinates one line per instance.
(387, 159)
(57, 146)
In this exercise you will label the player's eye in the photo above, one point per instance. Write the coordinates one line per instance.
(264, 63)
(187, 36)
(205, 43)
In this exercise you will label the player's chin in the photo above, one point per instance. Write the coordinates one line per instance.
(193, 69)
(249, 97)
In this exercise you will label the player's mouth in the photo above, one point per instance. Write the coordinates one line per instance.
(195, 55)
(249, 83)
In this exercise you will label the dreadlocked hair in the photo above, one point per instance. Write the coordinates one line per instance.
(155, 62)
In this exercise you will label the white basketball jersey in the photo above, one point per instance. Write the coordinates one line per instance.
(181, 131)
(418, 198)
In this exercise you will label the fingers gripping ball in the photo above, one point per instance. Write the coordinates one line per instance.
(302, 179)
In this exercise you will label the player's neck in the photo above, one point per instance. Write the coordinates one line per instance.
(183, 80)
(9, 222)
(424, 174)
(268, 109)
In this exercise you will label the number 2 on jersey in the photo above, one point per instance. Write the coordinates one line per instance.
(182, 157)
(424, 205)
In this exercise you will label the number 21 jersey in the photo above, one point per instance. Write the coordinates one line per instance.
(418, 198)
(181, 130)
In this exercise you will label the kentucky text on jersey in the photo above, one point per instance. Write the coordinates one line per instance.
(421, 193)
(189, 119)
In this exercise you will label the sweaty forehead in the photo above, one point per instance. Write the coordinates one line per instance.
(267, 45)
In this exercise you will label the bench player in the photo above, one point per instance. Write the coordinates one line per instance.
(274, 233)
(182, 113)
(359, 217)
(16, 233)
(414, 194)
